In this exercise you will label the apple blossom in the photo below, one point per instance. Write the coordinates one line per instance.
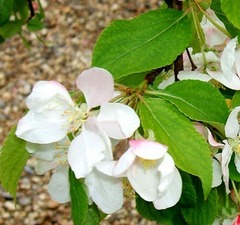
(232, 129)
(216, 159)
(213, 35)
(230, 69)
(151, 173)
(53, 157)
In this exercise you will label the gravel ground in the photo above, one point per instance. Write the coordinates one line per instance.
(71, 30)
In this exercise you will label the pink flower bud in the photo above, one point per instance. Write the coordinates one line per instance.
(236, 220)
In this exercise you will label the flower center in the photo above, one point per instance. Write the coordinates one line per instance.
(76, 117)
(147, 164)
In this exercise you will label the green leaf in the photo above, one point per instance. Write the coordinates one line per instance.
(13, 158)
(79, 200)
(204, 212)
(35, 24)
(5, 10)
(170, 216)
(233, 173)
(216, 7)
(82, 213)
(199, 101)
(235, 100)
(232, 11)
(11, 28)
(173, 129)
(21, 8)
(150, 41)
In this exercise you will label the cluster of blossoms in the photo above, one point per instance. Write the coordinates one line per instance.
(218, 64)
(80, 135)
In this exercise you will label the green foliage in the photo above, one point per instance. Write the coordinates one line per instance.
(15, 14)
(158, 36)
(207, 105)
(173, 129)
(13, 157)
(5, 10)
(205, 211)
(216, 7)
(235, 100)
(232, 11)
(82, 213)
(10, 29)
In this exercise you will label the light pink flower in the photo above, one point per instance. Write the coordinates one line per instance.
(151, 172)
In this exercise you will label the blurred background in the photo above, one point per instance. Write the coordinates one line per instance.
(62, 52)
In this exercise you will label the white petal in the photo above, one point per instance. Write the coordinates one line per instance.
(237, 161)
(212, 141)
(232, 125)
(228, 57)
(42, 166)
(237, 61)
(193, 75)
(226, 157)
(97, 86)
(42, 128)
(88, 148)
(147, 149)
(217, 173)
(166, 169)
(227, 222)
(144, 178)
(58, 186)
(172, 194)
(125, 161)
(118, 120)
(166, 82)
(106, 167)
(45, 92)
(228, 79)
(105, 191)
(42, 151)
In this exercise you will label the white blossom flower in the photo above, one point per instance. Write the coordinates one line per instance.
(114, 120)
(215, 146)
(230, 66)
(232, 145)
(151, 173)
(213, 35)
(208, 60)
(53, 157)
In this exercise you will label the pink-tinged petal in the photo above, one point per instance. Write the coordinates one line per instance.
(228, 222)
(213, 35)
(193, 75)
(232, 126)
(172, 194)
(166, 169)
(217, 173)
(226, 157)
(118, 120)
(236, 220)
(105, 191)
(212, 141)
(58, 186)
(147, 149)
(45, 92)
(144, 178)
(97, 86)
(124, 163)
(88, 148)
